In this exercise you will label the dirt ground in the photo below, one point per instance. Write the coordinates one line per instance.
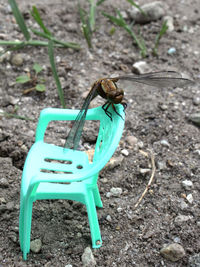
(157, 118)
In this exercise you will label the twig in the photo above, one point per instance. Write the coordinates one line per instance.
(151, 178)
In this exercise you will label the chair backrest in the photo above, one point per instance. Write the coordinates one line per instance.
(110, 132)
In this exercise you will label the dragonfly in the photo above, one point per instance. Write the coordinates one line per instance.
(108, 89)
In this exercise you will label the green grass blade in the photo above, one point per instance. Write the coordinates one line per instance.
(92, 15)
(63, 44)
(41, 34)
(100, 2)
(85, 26)
(115, 20)
(55, 75)
(11, 115)
(137, 6)
(36, 15)
(159, 36)
(19, 19)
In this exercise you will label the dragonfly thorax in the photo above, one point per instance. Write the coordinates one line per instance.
(110, 91)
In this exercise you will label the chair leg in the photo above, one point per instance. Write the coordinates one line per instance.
(93, 219)
(21, 223)
(27, 227)
(97, 197)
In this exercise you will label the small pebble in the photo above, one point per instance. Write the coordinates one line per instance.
(187, 184)
(171, 50)
(144, 171)
(140, 67)
(36, 245)
(131, 140)
(183, 205)
(17, 60)
(173, 252)
(153, 11)
(4, 182)
(195, 117)
(125, 152)
(164, 143)
(170, 23)
(108, 218)
(119, 209)
(116, 191)
(114, 162)
(181, 219)
(196, 100)
(190, 198)
(87, 258)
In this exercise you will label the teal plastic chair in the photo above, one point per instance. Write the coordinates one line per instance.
(45, 176)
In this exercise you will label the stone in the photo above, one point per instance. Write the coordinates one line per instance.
(190, 198)
(195, 117)
(196, 100)
(87, 258)
(114, 162)
(125, 152)
(36, 245)
(153, 11)
(131, 140)
(164, 143)
(171, 50)
(140, 67)
(173, 252)
(17, 60)
(187, 184)
(169, 22)
(116, 191)
(181, 219)
(4, 182)
(108, 218)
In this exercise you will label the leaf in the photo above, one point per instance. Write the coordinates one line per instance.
(40, 87)
(56, 78)
(36, 15)
(137, 6)
(37, 68)
(115, 20)
(23, 79)
(19, 19)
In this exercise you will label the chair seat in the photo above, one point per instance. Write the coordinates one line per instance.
(46, 160)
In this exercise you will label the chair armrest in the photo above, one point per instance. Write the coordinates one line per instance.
(51, 114)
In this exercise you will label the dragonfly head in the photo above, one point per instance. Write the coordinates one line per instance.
(111, 91)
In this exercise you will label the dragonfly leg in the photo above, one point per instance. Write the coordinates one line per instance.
(124, 104)
(105, 108)
(117, 112)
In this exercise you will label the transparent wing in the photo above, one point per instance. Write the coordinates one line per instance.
(158, 79)
(74, 136)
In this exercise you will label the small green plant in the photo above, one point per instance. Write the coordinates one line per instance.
(33, 80)
(55, 75)
(137, 6)
(119, 21)
(88, 20)
(13, 115)
(159, 36)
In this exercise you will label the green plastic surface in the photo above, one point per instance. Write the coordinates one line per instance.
(75, 180)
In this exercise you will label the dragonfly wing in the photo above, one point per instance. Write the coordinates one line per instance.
(158, 79)
(74, 136)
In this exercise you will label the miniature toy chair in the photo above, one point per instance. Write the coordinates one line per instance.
(45, 176)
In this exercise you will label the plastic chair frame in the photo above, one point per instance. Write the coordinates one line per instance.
(79, 178)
